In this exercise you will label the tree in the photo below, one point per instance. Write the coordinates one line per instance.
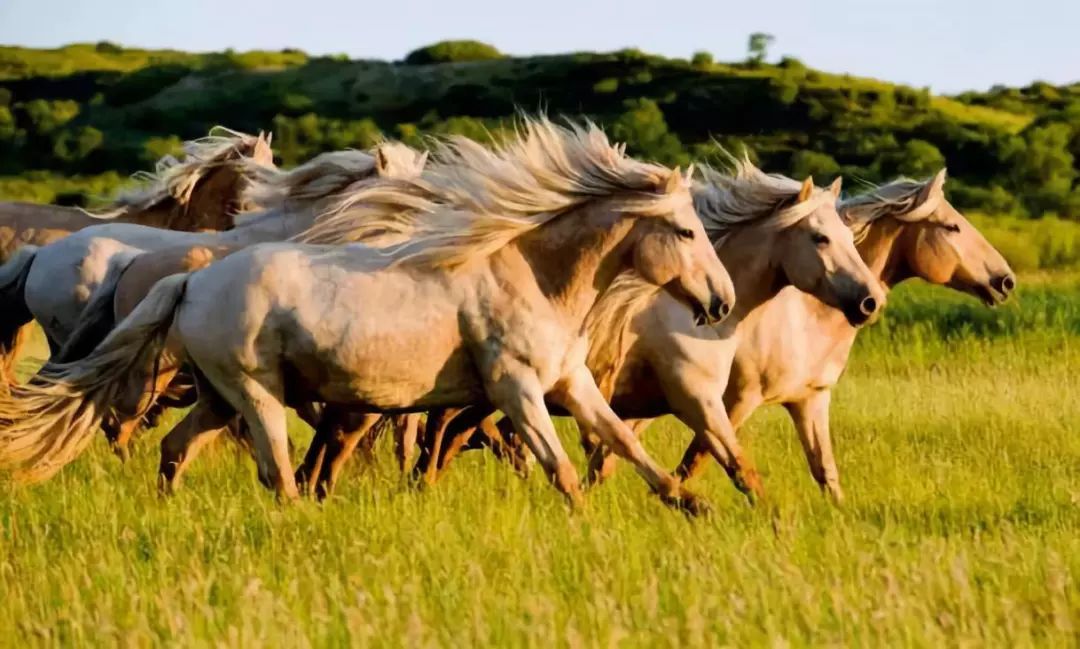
(453, 52)
(702, 60)
(813, 163)
(758, 46)
(920, 159)
(644, 129)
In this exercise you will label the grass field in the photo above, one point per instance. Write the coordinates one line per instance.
(958, 438)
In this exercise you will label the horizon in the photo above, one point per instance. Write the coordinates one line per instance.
(991, 48)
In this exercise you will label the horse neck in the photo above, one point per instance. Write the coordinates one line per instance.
(575, 257)
(880, 249)
(160, 215)
(754, 274)
(274, 224)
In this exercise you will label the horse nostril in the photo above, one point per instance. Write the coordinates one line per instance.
(724, 309)
(868, 306)
(1008, 283)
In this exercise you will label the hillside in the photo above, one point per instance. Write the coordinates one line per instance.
(85, 110)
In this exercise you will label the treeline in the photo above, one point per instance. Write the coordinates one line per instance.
(86, 110)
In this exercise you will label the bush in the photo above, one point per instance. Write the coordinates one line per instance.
(821, 166)
(703, 60)
(453, 52)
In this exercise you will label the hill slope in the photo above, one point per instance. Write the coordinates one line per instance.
(88, 109)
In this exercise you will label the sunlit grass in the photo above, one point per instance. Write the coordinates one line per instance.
(959, 450)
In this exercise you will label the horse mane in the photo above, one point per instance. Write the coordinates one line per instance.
(608, 324)
(472, 200)
(898, 199)
(324, 176)
(174, 179)
(747, 195)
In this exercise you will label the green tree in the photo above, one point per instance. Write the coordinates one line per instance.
(702, 60)
(453, 52)
(920, 159)
(758, 46)
(821, 166)
(646, 132)
(77, 144)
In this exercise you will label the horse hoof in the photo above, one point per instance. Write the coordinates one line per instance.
(121, 451)
(688, 503)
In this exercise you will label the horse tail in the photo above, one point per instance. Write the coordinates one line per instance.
(47, 423)
(14, 314)
(97, 319)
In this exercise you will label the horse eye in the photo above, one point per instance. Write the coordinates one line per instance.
(820, 239)
(952, 227)
(685, 233)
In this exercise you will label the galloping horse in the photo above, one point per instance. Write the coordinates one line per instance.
(290, 200)
(770, 232)
(508, 249)
(201, 193)
(794, 349)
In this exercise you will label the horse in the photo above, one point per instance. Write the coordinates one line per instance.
(770, 232)
(507, 251)
(200, 193)
(794, 349)
(170, 202)
(290, 202)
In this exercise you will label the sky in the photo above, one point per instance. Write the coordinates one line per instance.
(948, 45)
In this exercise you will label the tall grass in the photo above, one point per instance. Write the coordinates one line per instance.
(957, 436)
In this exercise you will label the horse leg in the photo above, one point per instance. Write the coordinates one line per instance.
(129, 421)
(811, 417)
(739, 410)
(519, 395)
(406, 428)
(504, 444)
(602, 462)
(316, 416)
(578, 394)
(199, 427)
(461, 431)
(427, 465)
(339, 444)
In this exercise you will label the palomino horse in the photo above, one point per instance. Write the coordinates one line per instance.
(770, 232)
(508, 250)
(291, 202)
(171, 203)
(200, 193)
(794, 349)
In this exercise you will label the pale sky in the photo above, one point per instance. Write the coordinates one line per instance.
(949, 45)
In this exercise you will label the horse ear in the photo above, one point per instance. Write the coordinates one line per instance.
(422, 161)
(835, 187)
(690, 174)
(381, 162)
(674, 181)
(807, 189)
(262, 149)
(936, 187)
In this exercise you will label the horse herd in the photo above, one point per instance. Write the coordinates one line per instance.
(548, 273)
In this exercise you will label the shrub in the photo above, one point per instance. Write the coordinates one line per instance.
(453, 52)
(702, 59)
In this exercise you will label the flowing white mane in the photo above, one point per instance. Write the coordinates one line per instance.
(472, 200)
(175, 180)
(901, 199)
(329, 174)
(726, 201)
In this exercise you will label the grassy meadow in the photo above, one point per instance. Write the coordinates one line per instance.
(958, 436)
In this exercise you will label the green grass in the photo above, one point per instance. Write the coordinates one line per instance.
(959, 450)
